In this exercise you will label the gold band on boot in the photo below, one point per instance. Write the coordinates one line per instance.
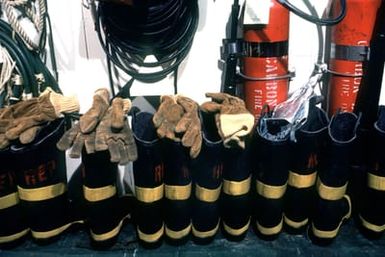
(236, 231)
(205, 234)
(173, 192)
(270, 231)
(301, 181)
(151, 238)
(270, 192)
(108, 235)
(9, 200)
(41, 193)
(10, 238)
(376, 182)
(99, 193)
(149, 195)
(330, 193)
(236, 188)
(329, 234)
(178, 234)
(371, 226)
(207, 195)
(295, 224)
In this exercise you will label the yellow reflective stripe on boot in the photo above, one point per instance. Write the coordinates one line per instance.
(207, 195)
(9, 200)
(41, 193)
(371, 226)
(178, 234)
(330, 193)
(205, 234)
(270, 192)
(151, 238)
(376, 182)
(108, 235)
(99, 193)
(270, 231)
(173, 192)
(236, 188)
(50, 233)
(148, 194)
(329, 234)
(10, 238)
(301, 181)
(236, 231)
(295, 224)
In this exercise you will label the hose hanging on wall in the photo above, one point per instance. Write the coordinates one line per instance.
(129, 33)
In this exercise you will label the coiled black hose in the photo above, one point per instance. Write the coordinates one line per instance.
(163, 28)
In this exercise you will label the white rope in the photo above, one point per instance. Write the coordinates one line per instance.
(7, 67)
(34, 10)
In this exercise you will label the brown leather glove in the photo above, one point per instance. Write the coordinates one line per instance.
(190, 125)
(83, 133)
(234, 121)
(166, 117)
(26, 117)
(113, 133)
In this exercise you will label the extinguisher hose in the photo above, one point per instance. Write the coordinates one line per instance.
(164, 29)
(316, 20)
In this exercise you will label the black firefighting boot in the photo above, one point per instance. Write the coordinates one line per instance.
(207, 175)
(42, 183)
(271, 175)
(148, 175)
(372, 212)
(105, 210)
(235, 198)
(332, 205)
(304, 152)
(177, 191)
(13, 227)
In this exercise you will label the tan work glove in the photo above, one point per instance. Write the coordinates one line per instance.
(190, 125)
(83, 133)
(234, 121)
(26, 117)
(166, 117)
(113, 133)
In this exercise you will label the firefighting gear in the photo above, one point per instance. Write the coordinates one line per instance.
(105, 211)
(349, 53)
(94, 115)
(114, 134)
(190, 126)
(24, 119)
(83, 133)
(207, 171)
(265, 64)
(372, 212)
(41, 180)
(178, 187)
(235, 199)
(332, 206)
(300, 192)
(148, 176)
(12, 219)
(234, 121)
(167, 117)
(272, 140)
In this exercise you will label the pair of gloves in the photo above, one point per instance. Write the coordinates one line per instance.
(103, 127)
(25, 119)
(177, 119)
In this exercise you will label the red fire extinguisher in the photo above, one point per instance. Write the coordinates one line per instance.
(265, 67)
(349, 51)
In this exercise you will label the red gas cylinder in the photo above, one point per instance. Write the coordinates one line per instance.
(266, 63)
(349, 50)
